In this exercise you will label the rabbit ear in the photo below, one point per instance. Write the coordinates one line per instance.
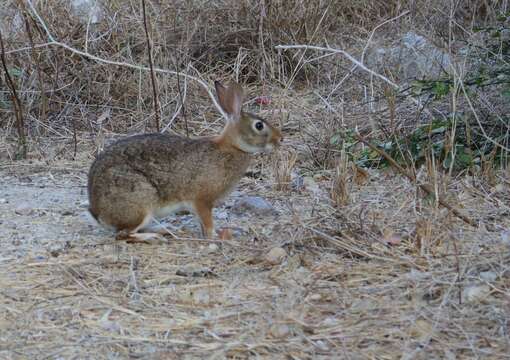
(230, 98)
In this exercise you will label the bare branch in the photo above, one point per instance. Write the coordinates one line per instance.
(54, 42)
(151, 64)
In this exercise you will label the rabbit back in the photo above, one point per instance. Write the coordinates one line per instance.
(156, 174)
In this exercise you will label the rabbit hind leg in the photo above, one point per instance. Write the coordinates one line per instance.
(134, 235)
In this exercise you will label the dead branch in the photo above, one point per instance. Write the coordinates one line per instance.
(151, 65)
(18, 110)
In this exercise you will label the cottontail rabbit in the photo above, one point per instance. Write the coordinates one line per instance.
(153, 175)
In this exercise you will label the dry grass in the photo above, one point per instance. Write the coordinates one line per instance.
(340, 189)
(341, 291)
(283, 165)
(374, 268)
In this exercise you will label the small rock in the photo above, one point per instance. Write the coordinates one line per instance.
(499, 188)
(24, 209)
(221, 215)
(488, 276)
(3, 201)
(279, 330)
(275, 256)
(505, 237)
(315, 297)
(311, 185)
(253, 204)
(329, 321)
(213, 247)
(322, 345)
(67, 212)
(87, 11)
(297, 181)
(201, 296)
(413, 54)
(475, 293)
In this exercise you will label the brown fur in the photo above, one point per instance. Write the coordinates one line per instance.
(138, 175)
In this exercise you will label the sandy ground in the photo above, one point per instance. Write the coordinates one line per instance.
(344, 286)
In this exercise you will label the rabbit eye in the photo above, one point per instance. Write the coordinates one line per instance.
(259, 125)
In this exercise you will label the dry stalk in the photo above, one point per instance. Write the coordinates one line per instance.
(36, 60)
(283, 164)
(182, 94)
(151, 66)
(423, 235)
(340, 189)
(18, 109)
(487, 167)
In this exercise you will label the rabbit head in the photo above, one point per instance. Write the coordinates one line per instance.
(245, 131)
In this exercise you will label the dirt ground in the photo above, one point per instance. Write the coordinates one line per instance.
(387, 276)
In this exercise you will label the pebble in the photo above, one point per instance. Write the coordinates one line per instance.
(275, 256)
(297, 182)
(315, 297)
(329, 321)
(475, 293)
(488, 276)
(201, 296)
(24, 209)
(221, 215)
(310, 184)
(213, 247)
(505, 237)
(279, 330)
(253, 204)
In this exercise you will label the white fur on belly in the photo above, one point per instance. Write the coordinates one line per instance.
(173, 208)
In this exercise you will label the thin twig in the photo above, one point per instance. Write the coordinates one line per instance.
(182, 97)
(151, 65)
(18, 110)
(35, 59)
(344, 53)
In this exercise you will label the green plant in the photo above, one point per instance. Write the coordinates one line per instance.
(463, 138)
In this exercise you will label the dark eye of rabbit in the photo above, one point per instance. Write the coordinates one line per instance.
(259, 125)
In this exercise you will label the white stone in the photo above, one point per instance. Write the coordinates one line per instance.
(253, 204)
(276, 255)
(413, 55)
(475, 293)
(87, 10)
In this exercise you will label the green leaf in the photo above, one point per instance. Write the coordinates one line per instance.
(335, 139)
(441, 89)
(15, 72)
